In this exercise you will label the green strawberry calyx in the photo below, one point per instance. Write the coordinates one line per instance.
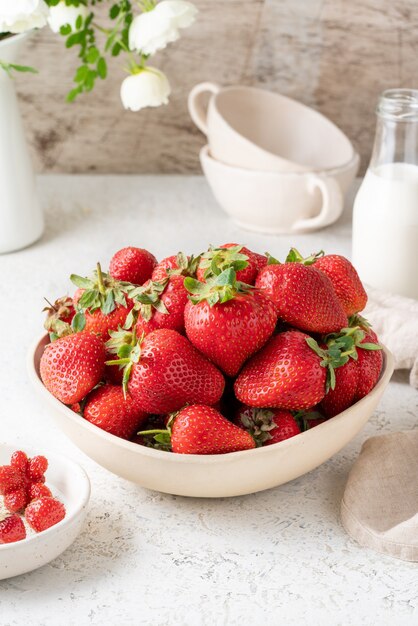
(160, 438)
(258, 423)
(127, 347)
(340, 347)
(294, 256)
(146, 298)
(186, 266)
(351, 338)
(101, 292)
(55, 325)
(304, 418)
(216, 260)
(218, 289)
(331, 358)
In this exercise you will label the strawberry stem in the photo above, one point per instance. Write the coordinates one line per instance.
(100, 282)
(155, 431)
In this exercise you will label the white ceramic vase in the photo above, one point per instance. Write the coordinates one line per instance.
(21, 219)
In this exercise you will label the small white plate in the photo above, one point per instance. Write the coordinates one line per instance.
(70, 484)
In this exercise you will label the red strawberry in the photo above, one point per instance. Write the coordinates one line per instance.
(18, 479)
(12, 529)
(113, 374)
(230, 255)
(344, 392)
(16, 500)
(346, 282)
(19, 461)
(102, 304)
(165, 372)
(267, 426)
(10, 479)
(178, 264)
(304, 296)
(44, 513)
(101, 323)
(71, 366)
(201, 429)
(357, 377)
(159, 305)
(225, 323)
(36, 468)
(132, 265)
(107, 408)
(286, 373)
(261, 260)
(39, 490)
(369, 366)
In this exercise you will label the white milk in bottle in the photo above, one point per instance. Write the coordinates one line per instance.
(385, 218)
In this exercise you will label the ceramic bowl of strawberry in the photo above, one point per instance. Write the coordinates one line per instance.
(70, 485)
(215, 475)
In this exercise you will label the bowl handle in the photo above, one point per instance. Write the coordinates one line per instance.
(196, 108)
(332, 203)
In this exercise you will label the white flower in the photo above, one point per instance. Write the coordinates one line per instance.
(61, 15)
(18, 16)
(153, 30)
(148, 88)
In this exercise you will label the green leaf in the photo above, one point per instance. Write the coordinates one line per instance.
(163, 438)
(102, 68)
(109, 304)
(82, 283)
(194, 286)
(78, 322)
(81, 74)
(65, 30)
(126, 377)
(227, 277)
(370, 346)
(72, 95)
(114, 11)
(271, 260)
(73, 40)
(116, 49)
(79, 22)
(89, 300)
(92, 55)
(23, 68)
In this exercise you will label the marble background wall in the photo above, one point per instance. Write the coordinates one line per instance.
(335, 55)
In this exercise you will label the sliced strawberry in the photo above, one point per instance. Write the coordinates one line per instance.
(12, 529)
(44, 512)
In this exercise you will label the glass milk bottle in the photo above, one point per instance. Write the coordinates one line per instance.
(385, 218)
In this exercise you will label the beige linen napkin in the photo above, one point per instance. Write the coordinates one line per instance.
(395, 320)
(380, 503)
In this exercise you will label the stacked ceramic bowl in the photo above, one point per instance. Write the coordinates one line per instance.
(274, 164)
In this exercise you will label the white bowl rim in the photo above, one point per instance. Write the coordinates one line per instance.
(85, 490)
(206, 459)
(205, 155)
(275, 94)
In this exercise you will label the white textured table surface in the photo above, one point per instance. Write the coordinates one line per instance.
(278, 557)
